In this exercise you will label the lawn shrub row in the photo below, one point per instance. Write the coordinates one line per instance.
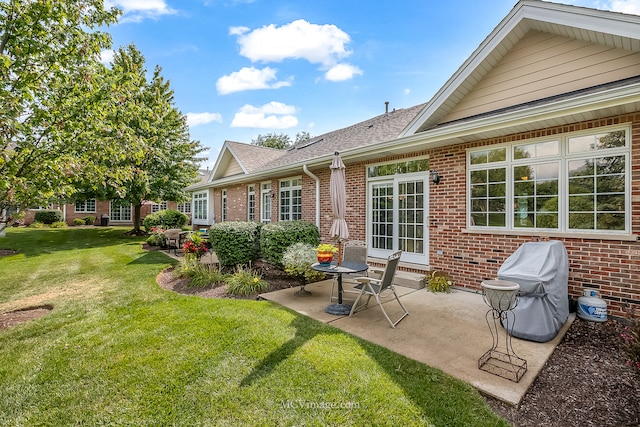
(239, 243)
(169, 218)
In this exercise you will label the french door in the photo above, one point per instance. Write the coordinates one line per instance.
(398, 217)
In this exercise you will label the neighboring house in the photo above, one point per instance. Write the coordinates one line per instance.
(536, 136)
(119, 213)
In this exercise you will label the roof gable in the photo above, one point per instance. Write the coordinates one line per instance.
(485, 82)
(237, 158)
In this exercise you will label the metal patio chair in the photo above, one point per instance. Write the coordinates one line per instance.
(377, 287)
(354, 250)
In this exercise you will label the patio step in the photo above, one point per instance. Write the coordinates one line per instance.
(409, 280)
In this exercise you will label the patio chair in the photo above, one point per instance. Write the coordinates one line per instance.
(354, 250)
(172, 238)
(380, 288)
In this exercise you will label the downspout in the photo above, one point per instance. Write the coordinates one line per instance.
(308, 172)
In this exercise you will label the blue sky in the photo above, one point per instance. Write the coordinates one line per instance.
(240, 68)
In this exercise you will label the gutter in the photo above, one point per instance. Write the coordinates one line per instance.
(317, 180)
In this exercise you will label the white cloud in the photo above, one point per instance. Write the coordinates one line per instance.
(318, 44)
(407, 91)
(106, 56)
(341, 72)
(195, 119)
(274, 115)
(625, 6)
(138, 10)
(249, 78)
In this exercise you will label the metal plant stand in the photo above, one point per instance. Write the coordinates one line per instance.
(501, 360)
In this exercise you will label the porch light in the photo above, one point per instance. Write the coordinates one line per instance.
(435, 178)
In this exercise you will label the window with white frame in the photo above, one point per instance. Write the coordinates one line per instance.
(291, 199)
(156, 207)
(185, 208)
(265, 202)
(398, 209)
(224, 205)
(119, 210)
(200, 206)
(84, 206)
(251, 203)
(574, 182)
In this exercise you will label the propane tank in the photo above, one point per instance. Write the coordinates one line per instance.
(591, 307)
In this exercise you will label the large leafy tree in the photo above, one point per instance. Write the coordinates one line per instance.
(50, 98)
(163, 159)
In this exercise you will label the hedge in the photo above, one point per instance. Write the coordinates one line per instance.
(277, 237)
(235, 243)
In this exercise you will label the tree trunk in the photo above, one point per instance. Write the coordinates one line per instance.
(136, 218)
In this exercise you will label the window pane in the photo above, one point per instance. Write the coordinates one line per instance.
(581, 221)
(581, 204)
(610, 221)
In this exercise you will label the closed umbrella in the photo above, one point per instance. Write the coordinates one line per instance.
(338, 194)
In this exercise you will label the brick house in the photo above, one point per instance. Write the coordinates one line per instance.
(536, 136)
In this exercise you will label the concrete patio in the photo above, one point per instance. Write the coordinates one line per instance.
(444, 331)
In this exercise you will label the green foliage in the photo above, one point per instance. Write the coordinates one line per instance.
(273, 140)
(79, 221)
(48, 216)
(156, 238)
(439, 281)
(52, 99)
(166, 219)
(59, 224)
(297, 261)
(36, 224)
(235, 242)
(89, 220)
(275, 238)
(200, 275)
(245, 281)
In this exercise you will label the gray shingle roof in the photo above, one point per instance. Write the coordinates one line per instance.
(253, 157)
(385, 127)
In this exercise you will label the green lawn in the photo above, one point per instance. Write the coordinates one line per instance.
(119, 350)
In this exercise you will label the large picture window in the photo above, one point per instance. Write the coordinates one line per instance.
(83, 206)
(571, 183)
(291, 199)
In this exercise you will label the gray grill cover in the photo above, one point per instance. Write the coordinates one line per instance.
(542, 270)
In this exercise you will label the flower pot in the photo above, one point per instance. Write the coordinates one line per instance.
(500, 295)
(325, 258)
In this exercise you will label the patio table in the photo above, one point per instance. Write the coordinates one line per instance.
(345, 267)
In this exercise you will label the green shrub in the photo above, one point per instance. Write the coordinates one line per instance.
(48, 216)
(166, 219)
(277, 237)
(36, 224)
(58, 224)
(235, 242)
(297, 260)
(89, 220)
(79, 221)
(246, 282)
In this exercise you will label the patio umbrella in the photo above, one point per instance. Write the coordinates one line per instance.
(337, 191)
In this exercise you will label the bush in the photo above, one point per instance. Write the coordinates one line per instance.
(246, 282)
(235, 242)
(36, 224)
(89, 220)
(58, 224)
(166, 219)
(201, 275)
(277, 237)
(79, 221)
(297, 260)
(48, 216)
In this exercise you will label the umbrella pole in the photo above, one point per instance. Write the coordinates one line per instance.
(339, 252)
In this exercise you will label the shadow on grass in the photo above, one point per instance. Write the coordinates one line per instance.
(37, 241)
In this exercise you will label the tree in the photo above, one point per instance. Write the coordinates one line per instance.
(50, 98)
(302, 136)
(273, 140)
(164, 160)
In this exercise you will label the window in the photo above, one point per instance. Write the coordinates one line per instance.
(291, 199)
(265, 202)
(185, 208)
(397, 211)
(86, 206)
(224, 205)
(200, 204)
(120, 210)
(156, 207)
(577, 183)
(251, 203)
